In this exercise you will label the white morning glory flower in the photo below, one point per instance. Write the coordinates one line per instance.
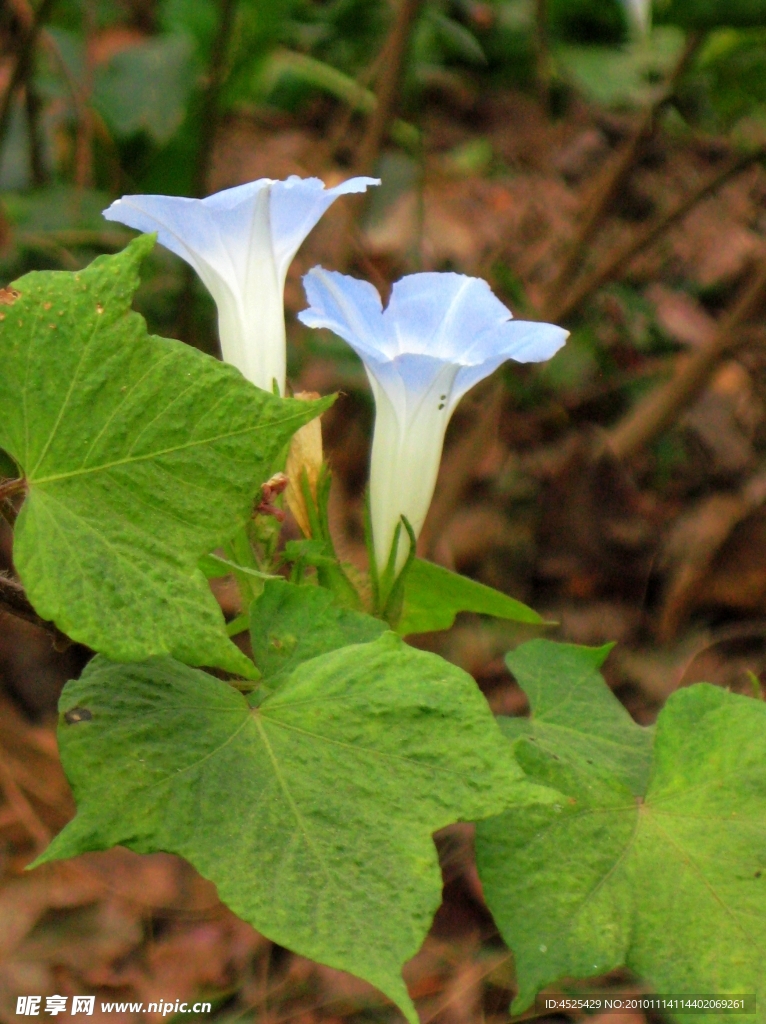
(241, 242)
(439, 335)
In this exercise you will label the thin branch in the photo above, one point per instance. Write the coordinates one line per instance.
(663, 405)
(83, 148)
(210, 115)
(542, 53)
(624, 254)
(22, 808)
(210, 101)
(388, 85)
(23, 66)
(36, 150)
(15, 602)
(391, 60)
(607, 186)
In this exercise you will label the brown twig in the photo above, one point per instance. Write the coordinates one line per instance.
(391, 61)
(36, 152)
(613, 178)
(612, 266)
(542, 54)
(662, 406)
(209, 118)
(621, 257)
(83, 111)
(328, 147)
(15, 602)
(388, 85)
(210, 110)
(83, 148)
(23, 66)
(21, 807)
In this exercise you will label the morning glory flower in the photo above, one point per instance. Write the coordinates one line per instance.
(439, 335)
(241, 242)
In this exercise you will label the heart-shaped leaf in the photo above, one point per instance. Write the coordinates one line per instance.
(312, 812)
(141, 455)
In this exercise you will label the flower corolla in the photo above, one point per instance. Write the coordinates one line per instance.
(440, 334)
(241, 242)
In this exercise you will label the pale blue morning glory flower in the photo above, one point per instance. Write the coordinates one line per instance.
(439, 335)
(241, 242)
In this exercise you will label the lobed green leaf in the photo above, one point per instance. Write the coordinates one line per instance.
(141, 455)
(655, 856)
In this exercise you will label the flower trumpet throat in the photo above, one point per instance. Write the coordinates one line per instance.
(440, 334)
(241, 242)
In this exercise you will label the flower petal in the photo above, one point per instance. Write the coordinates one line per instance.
(296, 206)
(212, 234)
(349, 307)
(446, 315)
(521, 340)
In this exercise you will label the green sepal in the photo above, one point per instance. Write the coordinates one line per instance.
(330, 571)
(392, 611)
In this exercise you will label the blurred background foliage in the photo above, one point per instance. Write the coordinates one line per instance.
(141, 67)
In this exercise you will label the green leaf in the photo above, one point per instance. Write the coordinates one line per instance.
(146, 87)
(323, 76)
(141, 455)
(710, 14)
(624, 76)
(290, 624)
(313, 813)
(433, 596)
(655, 857)
(457, 39)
